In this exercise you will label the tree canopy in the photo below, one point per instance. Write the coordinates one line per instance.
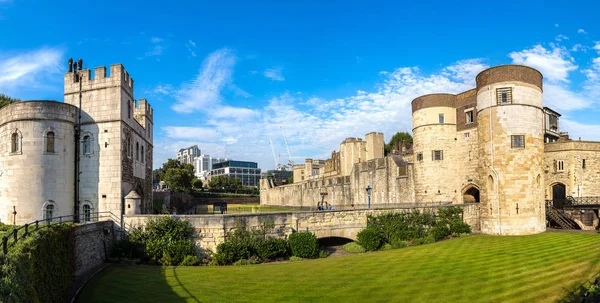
(398, 140)
(178, 176)
(225, 184)
(6, 100)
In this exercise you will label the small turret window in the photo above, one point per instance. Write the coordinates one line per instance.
(50, 142)
(517, 141)
(469, 117)
(87, 147)
(441, 118)
(504, 95)
(437, 155)
(420, 157)
(15, 144)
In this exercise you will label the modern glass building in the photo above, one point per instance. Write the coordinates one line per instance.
(248, 172)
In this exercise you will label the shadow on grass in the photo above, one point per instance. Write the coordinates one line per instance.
(190, 295)
(132, 283)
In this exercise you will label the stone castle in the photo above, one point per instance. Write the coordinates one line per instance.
(495, 145)
(38, 158)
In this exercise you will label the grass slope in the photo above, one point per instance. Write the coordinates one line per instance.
(473, 269)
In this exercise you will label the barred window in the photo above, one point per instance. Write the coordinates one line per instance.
(560, 165)
(504, 95)
(441, 118)
(517, 141)
(50, 142)
(437, 155)
(420, 157)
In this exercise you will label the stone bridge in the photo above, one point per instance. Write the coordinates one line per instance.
(212, 229)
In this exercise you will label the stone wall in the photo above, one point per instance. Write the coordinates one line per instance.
(391, 185)
(212, 229)
(93, 244)
(579, 181)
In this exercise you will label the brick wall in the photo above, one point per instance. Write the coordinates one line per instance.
(93, 244)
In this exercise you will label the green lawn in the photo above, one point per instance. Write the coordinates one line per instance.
(472, 269)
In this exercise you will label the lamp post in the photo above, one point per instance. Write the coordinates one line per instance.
(77, 69)
(368, 196)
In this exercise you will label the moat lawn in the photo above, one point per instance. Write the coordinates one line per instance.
(535, 268)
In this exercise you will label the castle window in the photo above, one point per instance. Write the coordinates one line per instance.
(15, 142)
(137, 151)
(87, 146)
(437, 155)
(469, 117)
(49, 211)
(142, 153)
(420, 157)
(87, 210)
(583, 163)
(467, 135)
(560, 165)
(128, 109)
(441, 118)
(517, 141)
(504, 95)
(50, 142)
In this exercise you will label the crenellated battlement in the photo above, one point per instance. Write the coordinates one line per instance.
(117, 76)
(143, 108)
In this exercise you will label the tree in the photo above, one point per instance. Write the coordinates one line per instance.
(6, 100)
(178, 176)
(197, 183)
(399, 140)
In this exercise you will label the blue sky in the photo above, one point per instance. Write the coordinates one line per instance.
(226, 74)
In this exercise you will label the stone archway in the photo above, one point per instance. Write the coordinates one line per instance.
(471, 194)
(559, 195)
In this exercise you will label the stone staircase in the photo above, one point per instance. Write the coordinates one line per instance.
(553, 214)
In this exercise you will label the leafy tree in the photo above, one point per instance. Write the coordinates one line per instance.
(197, 183)
(226, 184)
(178, 176)
(398, 140)
(6, 100)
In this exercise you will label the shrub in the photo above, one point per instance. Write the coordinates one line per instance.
(304, 245)
(273, 249)
(38, 268)
(231, 252)
(167, 235)
(294, 259)
(428, 239)
(354, 248)
(439, 232)
(460, 227)
(323, 253)
(398, 243)
(386, 246)
(369, 238)
(417, 241)
(190, 260)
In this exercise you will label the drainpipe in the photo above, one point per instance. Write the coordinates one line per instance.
(492, 164)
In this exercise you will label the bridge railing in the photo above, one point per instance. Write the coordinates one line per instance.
(19, 233)
(591, 200)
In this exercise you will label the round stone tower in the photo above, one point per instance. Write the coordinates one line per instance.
(434, 145)
(511, 150)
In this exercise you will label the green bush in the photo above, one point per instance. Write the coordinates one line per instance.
(294, 259)
(460, 227)
(323, 253)
(167, 240)
(38, 268)
(439, 232)
(304, 245)
(369, 238)
(387, 246)
(398, 243)
(190, 260)
(273, 249)
(354, 248)
(251, 261)
(230, 252)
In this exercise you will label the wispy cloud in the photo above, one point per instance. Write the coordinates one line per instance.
(561, 38)
(554, 63)
(190, 45)
(29, 69)
(156, 40)
(581, 31)
(163, 89)
(274, 74)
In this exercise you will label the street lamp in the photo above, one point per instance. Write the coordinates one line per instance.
(369, 196)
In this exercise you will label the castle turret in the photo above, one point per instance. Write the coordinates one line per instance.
(375, 145)
(434, 142)
(511, 148)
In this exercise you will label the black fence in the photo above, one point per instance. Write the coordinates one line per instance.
(570, 201)
(18, 233)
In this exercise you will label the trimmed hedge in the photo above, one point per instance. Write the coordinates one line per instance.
(304, 245)
(354, 248)
(369, 238)
(38, 268)
(273, 249)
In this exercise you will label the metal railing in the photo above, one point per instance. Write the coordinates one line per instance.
(18, 233)
(591, 200)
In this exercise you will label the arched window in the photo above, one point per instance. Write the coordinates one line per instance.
(128, 109)
(50, 142)
(490, 184)
(49, 211)
(15, 143)
(87, 146)
(137, 151)
(87, 211)
(142, 153)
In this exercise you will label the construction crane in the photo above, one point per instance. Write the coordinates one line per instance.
(274, 157)
(290, 162)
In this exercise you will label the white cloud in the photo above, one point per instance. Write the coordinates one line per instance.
(555, 63)
(156, 40)
(192, 43)
(561, 38)
(191, 133)
(581, 31)
(29, 69)
(578, 47)
(556, 25)
(163, 89)
(274, 74)
(156, 51)
(588, 132)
